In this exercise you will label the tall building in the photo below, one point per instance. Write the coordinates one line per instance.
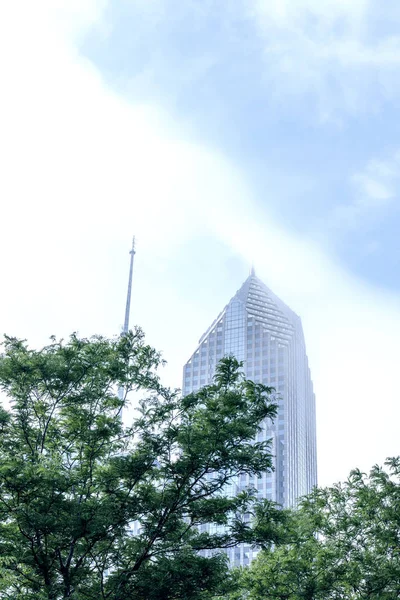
(260, 330)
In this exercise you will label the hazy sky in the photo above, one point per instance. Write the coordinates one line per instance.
(219, 133)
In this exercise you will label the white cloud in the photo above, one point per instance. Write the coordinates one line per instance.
(325, 49)
(375, 191)
(82, 170)
(377, 184)
(293, 15)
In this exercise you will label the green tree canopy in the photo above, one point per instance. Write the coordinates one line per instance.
(343, 543)
(91, 508)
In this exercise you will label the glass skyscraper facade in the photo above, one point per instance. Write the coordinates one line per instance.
(264, 333)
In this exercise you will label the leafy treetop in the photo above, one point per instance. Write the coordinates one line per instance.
(91, 508)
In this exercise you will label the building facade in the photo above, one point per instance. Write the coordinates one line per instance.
(264, 333)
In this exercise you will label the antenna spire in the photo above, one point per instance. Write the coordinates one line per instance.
(132, 252)
(252, 270)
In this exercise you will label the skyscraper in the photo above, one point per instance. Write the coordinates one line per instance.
(260, 330)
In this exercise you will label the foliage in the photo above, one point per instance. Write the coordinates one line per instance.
(92, 508)
(344, 544)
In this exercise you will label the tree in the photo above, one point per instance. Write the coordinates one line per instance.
(343, 542)
(92, 508)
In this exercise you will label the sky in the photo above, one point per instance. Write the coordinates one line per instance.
(220, 134)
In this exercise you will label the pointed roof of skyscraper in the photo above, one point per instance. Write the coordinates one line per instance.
(261, 303)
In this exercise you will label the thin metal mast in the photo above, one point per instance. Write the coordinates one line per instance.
(132, 252)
